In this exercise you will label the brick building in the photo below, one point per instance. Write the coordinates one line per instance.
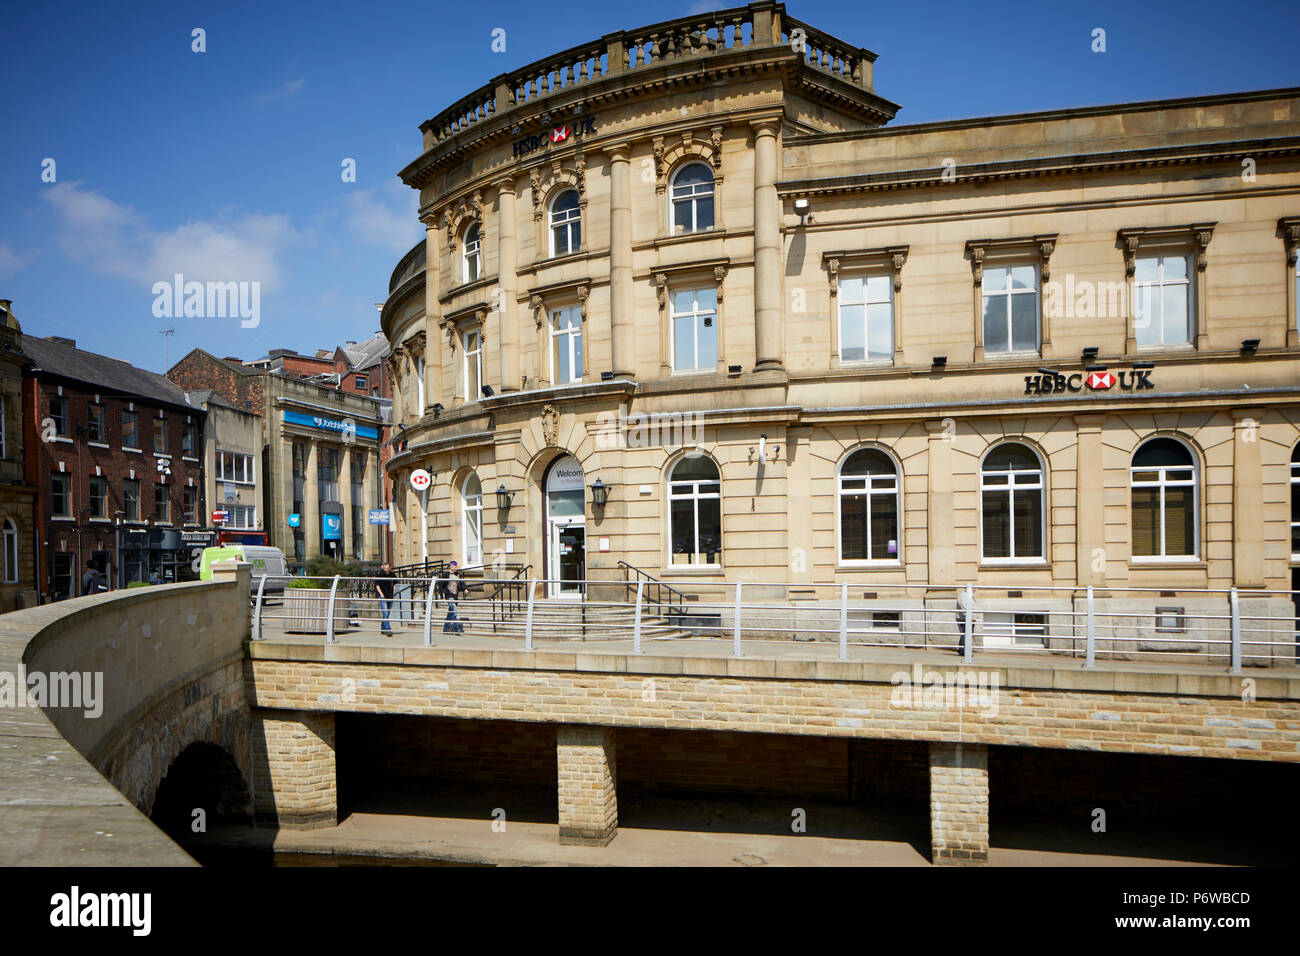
(17, 497)
(114, 451)
(319, 447)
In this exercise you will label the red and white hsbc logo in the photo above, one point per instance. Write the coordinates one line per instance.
(559, 134)
(1057, 382)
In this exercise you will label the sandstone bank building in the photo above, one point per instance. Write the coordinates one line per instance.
(1049, 349)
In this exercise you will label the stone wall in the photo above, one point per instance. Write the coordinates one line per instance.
(294, 778)
(1206, 715)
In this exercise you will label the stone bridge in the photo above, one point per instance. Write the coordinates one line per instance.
(193, 714)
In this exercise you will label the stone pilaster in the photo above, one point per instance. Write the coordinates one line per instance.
(622, 319)
(311, 527)
(294, 777)
(433, 351)
(507, 335)
(1247, 501)
(959, 803)
(767, 249)
(588, 800)
(1089, 506)
(939, 533)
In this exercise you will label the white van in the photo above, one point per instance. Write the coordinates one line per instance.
(266, 562)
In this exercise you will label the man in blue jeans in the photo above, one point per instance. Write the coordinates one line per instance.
(384, 585)
(451, 588)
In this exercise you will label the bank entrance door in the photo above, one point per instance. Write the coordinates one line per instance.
(566, 529)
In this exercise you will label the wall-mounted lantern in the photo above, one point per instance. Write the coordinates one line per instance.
(599, 493)
(504, 498)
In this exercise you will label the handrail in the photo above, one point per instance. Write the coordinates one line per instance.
(659, 587)
(501, 609)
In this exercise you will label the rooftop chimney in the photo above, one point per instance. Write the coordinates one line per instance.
(61, 340)
(233, 359)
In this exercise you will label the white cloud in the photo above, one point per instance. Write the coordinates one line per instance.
(11, 262)
(384, 217)
(704, 6)
(115, 239)
(287, 90)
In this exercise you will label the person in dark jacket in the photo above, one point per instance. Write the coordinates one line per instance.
(92, 582)
(385, 581)
(452, 586)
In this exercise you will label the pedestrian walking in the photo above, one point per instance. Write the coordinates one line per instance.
(451, 586)
(385, 581)
(92, 582)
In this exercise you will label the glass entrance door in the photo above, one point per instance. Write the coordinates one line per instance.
(568, 557)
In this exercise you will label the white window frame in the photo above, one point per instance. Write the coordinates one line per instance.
(566, 221)
(565, 339)
(471, 517)
(1006, 294)
(1007, 632)
(234, 459)
(90, 418)
(250, 511)
(869, 490)
(1295, 492)
(1158, 285)
(11, 551)
(865, 302)
(1163, 482)
(699, 316)
(689, 490)
(475, 355)
(1010, 488)
(472, 252)
(691, 194)
(417, 368)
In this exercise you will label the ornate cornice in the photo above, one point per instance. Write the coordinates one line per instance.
(1039, 248)
(1196, 235)
(1288, 227)
(892, 257)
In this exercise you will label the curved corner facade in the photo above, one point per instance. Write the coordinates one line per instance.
(691, 265)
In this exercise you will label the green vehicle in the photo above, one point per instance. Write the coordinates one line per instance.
(266, 563)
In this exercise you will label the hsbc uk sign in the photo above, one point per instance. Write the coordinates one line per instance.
(1056, 383)
(556, 136)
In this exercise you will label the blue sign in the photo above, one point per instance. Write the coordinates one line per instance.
(295, 521)
(380, 516)
(340, 425)
(331, 527)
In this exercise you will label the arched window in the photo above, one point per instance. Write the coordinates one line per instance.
(692, 199)
(1164, 500)
(566, 223)
(695, 511)
(471, 493)
(868, 507)
(470, 254)
(1295, 502)
(1011, 504)
(11, 551)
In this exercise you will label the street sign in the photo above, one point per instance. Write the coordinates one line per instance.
(331, 527)
(295, 520)
(421, 479)
(220, 516)
(380, 516)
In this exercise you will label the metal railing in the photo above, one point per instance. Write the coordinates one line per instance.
(663, 597)
(1228, 629)
(509, 596)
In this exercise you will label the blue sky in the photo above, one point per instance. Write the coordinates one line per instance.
(226, 164)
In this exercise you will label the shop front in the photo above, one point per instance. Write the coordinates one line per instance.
(160, 555)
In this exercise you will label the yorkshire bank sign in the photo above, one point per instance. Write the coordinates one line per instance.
(1098, 380)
